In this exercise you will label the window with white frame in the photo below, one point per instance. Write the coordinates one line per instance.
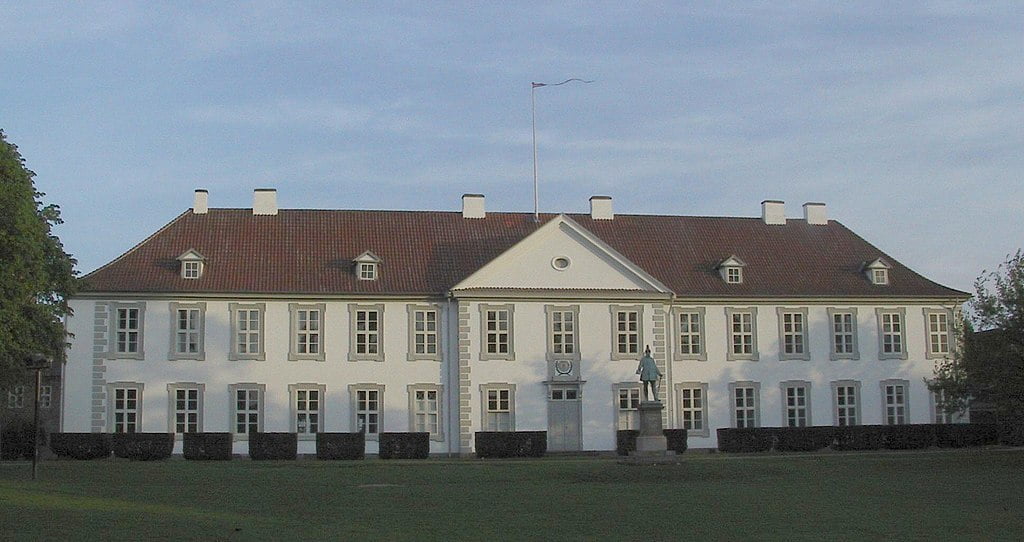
(627, 406)
(939, 413)
(187, 325)
(191, 269)
(366, 332)
(126, 326)
(425, 414)
(693, 407)
(894, 401)
(844, 333)
(499, 404)
(247, 331)
(367, 408)
(742, 334)
(424, 332)
(307, 402)
(733, 275)
(125, 407)
(246, 408)
(793, 334)
(307, 323)
(938, 333)
(846, 402)
(796, 403)
(746, 404)
(45, 396)
(891, 338)
(496, 329)
(690, 330)
(186, 407)
(563, 339)
(627, 335)
(367, 271)
(16, 397)
(880, 276)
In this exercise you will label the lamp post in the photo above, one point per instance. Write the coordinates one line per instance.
(36, 362)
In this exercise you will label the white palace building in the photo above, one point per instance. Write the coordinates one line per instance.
(265, 319)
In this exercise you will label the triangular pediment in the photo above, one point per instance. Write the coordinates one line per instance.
(878, 263)
(191, 255)
(561, 255)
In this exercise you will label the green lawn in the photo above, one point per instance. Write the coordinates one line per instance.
(965, 495)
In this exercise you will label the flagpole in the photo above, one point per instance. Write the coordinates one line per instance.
(533, 120)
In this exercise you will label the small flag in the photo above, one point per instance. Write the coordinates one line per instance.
(535, 85)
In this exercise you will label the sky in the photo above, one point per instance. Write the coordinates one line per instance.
(906, 119)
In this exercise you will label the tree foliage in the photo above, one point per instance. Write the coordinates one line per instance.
(36, 275)
(990, 365)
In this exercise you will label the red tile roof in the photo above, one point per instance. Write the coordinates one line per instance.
(428, 252)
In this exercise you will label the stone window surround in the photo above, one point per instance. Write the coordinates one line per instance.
(16, 397)
(615, 310)
(733, 386)
(906, 399)
(902, 312)
(928, 352)
(484, 355)
(729, 355)
(618, 387)
(293, 423)
(856, 398)
(549, 311)
(833, 355)
(412, 310)
(173, 353)
(703, 387)
(353, 310)
(439, 389)
(806, 385)
(293, 335)
(783, 355)
(702, 321)
(260, 412)
(234, 309)
(353, 394)
(111, 406)
(45, 396)
(112, 352)
(172, 389)
(484, 388)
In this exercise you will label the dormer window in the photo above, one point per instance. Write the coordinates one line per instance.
(877, 272)
(367, 266)
(192, 264)
(731, 270)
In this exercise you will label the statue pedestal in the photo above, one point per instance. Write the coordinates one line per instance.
(651, 440)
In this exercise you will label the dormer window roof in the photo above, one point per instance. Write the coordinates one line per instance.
(731, 270)
(367, 266)
(877, 271)
(192, 264)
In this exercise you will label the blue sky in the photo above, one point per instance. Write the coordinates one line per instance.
(906, 119)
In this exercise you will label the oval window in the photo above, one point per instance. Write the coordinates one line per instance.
(561, 263)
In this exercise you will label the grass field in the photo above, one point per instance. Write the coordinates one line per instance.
(943, 495)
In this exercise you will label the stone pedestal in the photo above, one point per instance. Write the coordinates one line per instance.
(652, 436)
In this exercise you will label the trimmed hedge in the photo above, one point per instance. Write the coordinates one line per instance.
(404, 445)
(858, 437)
(341, 445)
(206, 446)
(142, 446)
(16, 441)
(625, 440)
(802, 439)
(746, 439)
(273, 446)
(1011, 434)
(676, 439)
(908, 437)
(80, 445)
(511, 443)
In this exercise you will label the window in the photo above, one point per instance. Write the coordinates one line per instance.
(731, 270)
(496, 328)
(627, 405)
(939, 414)
(366, 333)
(796, 403)
(627, 335)
(693, 408)
(844, 333)
(499, 407)
(425, 414)
(846, 402)
(563, 338)
(125, 412)
(367, 266)
(16, 397)
(891, 340)
(45, 396)
(894, 401)
(367, 271)
(246, 409)
(247, 331)
(186, 407)
(880, 276)
(793, 334)
(307, 402)
(424, 333)
(191, 270)
(126, 325)
(690, 322)
(877, 272)
(746, 404)
(733, 275)
(938, 333)
(367, 408)
(307, 323)
(742, 334)
(187, 325)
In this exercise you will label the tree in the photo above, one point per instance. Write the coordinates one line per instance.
(990, 365)
(36, 275)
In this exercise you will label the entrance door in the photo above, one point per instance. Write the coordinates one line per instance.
(564, 418)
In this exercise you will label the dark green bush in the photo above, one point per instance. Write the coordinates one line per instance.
(142, 446)
(80, 445)
(677, 439)
(625, 441)
(511, 443)
(858, 437)
(16, 441)
(404, 445)
(1011, 433)
(746, 439)
(803, 439)
(340, 445)
(273, 446)
(908, 437)
(960, 435)
(206, 446)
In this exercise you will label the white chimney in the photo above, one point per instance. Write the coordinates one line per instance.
(814, 213)
(773, 212)
(601, 208)
(264, 201)
(200, 205)
(473, 206)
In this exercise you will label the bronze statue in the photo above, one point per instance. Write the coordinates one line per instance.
(650, 375)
